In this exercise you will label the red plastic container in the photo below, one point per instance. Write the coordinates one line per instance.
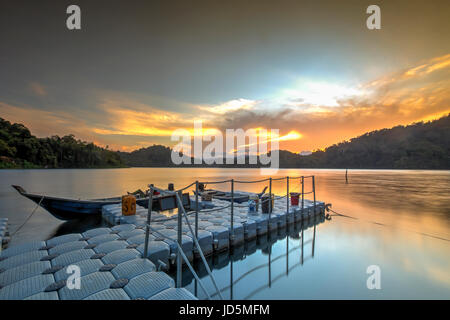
(294, 198)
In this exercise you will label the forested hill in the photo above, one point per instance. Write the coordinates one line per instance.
(20, 149)
(154, 156)
(417, 146)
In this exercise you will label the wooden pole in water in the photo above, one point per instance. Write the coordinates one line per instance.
(346, 175)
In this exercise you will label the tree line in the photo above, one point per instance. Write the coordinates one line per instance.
(20, 149)
(422, 145)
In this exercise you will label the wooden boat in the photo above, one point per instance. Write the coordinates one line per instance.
(71, 209)
(226, 196)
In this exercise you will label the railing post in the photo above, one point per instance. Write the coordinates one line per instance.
(270, 207)
(197, 245)
(179, 258)
(287, 198)
(149, 218)
(314, 191)
(270, 196)
(287, 221)
(232, 211)
(196, 226)
(303, 193)
(196, 209)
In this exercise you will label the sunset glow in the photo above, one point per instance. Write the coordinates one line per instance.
(315, 89)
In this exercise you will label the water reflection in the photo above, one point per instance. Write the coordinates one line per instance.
(295, 247)
(395, 209)
(78, 226)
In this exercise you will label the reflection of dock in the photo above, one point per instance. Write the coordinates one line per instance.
(265, 244)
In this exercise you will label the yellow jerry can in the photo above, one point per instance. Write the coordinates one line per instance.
(128, 205)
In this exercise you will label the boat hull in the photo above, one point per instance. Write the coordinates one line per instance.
(70, 209)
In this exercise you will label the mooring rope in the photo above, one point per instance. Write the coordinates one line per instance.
(384, 225)
(340, 214)
(29, 217)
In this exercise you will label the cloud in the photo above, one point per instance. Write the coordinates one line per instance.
(102, 131)
(431, 66)
(417, 93)
(129, 116)
(310, 114)
(45, 123)
(229, 106)
(413, 73)
(38, 89)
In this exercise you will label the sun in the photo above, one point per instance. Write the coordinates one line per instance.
(318, 93)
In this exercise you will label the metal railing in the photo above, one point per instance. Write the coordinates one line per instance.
(182, 212)
(180, 256)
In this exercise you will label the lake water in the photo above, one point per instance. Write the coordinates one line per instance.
(401, 225)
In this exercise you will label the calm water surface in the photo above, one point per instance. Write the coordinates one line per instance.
(402, 225)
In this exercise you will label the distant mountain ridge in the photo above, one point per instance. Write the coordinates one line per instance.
(422, 145)
(154, 156)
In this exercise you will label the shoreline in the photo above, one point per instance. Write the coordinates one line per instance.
(228, 167)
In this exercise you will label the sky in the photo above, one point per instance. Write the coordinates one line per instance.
(138, 70)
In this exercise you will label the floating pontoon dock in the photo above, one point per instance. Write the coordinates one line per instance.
(111, 259)
(4, 232)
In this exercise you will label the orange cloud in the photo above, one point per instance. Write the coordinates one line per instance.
(44, 123)
(412, 73)
(433, 65)
(125, 116)
(306, 120)
(418, 93)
